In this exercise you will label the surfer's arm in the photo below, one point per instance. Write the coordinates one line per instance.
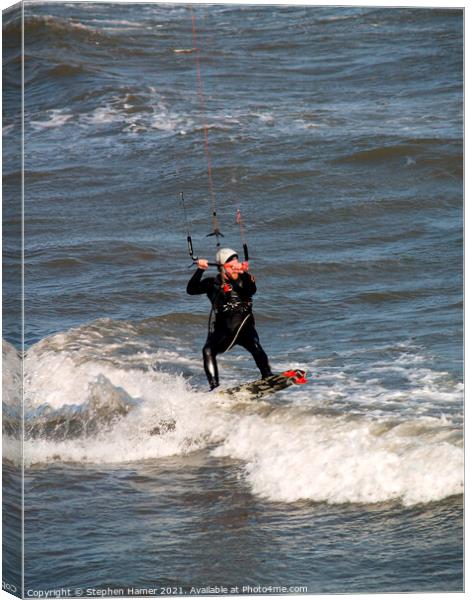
(197, 285)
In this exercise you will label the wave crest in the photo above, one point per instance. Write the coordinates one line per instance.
(110, 392)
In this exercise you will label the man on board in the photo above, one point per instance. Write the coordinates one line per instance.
(231, 321)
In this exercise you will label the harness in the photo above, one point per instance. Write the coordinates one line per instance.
(231, 304)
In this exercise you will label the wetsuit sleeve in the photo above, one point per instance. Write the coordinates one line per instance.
(247, 287)
(197, 285)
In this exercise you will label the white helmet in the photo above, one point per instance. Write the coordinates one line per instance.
(225, 255)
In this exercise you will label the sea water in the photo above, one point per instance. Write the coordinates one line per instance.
(338, 133)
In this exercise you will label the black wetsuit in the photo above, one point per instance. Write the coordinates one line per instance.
(231, 321)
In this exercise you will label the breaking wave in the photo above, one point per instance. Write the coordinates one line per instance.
(338, 460)
(101, 393)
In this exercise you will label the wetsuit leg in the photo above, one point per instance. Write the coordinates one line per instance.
(210, 365)
(249, 339)
(216, 343)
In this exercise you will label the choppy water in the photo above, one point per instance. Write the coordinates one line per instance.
(338, 132)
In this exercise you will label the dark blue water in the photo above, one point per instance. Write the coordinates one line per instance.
(338, 133)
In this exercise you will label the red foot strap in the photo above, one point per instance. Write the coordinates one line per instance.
(296, 375)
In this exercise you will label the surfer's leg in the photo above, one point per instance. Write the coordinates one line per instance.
(214, 345)
(210, 365)
(250, 341)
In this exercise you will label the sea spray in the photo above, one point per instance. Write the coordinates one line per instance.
(97, 394)
(339, 459)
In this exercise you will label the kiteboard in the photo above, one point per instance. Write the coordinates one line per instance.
(264, 387)
(252, 390)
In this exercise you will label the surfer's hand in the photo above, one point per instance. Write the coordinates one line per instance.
(244, 266)
(202, 263)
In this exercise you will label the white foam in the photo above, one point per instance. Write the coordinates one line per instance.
(164, 123)
(11, 376)
(130, 440)
(61, 370)
(316, 447)
(169, 121)
(57, 118)
(118, 110)
(109, 24)
(102, 115)
(335, 460)
(413, 388)
(82, 365)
